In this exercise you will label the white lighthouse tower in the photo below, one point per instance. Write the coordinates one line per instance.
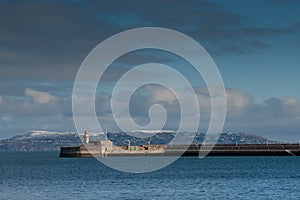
(86, 137)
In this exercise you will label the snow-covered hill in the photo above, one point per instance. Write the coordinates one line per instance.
(52, 141)
(40, 141)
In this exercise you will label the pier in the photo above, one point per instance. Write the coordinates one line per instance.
(107, 149)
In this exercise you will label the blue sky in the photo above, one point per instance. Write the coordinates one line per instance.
(255, 44)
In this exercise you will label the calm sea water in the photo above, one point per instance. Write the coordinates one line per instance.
(46, 176)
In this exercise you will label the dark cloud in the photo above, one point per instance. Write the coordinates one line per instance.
(220, 30)
(48, 40)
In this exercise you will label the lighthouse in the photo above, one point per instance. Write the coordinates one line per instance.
(86, 137)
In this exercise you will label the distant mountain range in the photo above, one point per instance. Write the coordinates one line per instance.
(52, 141)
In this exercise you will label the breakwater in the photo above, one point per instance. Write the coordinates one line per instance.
(106, 149)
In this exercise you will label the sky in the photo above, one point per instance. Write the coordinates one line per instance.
(255, 44)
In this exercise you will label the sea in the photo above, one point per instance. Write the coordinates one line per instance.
(44, 175)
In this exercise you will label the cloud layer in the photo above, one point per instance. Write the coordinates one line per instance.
(39, 97)
(274, 118)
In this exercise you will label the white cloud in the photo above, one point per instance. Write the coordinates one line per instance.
(40, 97)
(237, 101)
(285, 107)
(291, 106)
(159, 93)
(6, 118)
(1, 100)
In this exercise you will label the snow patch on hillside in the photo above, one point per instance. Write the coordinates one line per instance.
(153, 131)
